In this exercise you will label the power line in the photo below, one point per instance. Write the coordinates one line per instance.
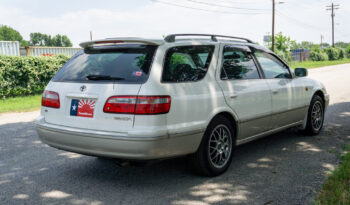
(232, 7)
(299, 22)
(201, 9)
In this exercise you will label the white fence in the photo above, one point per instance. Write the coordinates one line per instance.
(9, 48)
(48, 51)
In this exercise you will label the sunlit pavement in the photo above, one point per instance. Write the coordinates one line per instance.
(285, 168)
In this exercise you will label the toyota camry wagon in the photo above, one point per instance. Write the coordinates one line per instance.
(188, 94)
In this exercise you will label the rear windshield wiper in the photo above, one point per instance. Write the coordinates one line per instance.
(103, 77)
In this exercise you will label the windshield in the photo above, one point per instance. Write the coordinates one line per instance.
(123, 63)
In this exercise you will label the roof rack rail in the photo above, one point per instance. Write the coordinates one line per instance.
(171, 38)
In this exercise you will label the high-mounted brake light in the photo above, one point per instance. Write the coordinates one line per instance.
(139, 105)
(50, 99)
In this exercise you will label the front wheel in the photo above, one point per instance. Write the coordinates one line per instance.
(214, 154)
(315, 116)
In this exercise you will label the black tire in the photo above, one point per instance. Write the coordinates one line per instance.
(202, 161)
(313, 128)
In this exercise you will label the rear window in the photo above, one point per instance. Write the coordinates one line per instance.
(120, 64)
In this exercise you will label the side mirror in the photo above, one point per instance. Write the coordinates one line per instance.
(300, 72)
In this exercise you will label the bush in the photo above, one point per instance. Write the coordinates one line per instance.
(347, 51)
(341, 53)
(27, 75)
(333, 53)
(317, 54)
(284, 55)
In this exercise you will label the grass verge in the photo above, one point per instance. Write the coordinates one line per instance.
(317, 64)
(336, 190)
(20, 104)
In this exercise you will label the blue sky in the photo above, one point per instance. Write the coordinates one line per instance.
(303, 20)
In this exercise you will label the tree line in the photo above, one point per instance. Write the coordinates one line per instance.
(36, 39)
(318, 52)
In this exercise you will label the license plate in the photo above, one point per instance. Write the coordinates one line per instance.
(82, 107)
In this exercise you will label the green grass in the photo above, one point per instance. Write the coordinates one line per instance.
(20, 104)
(336, 190)
(317, 64)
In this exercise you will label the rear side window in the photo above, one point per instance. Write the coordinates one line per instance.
(187, 63)
(238, 64)
(123, 63)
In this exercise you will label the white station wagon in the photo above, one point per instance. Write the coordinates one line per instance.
(190, 94)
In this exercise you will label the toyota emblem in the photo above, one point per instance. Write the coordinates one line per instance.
(82, 88)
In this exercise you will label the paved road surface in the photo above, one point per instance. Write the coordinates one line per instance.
(285, 168)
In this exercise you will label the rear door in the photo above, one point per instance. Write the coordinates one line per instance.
(87, 80)
(246, 92)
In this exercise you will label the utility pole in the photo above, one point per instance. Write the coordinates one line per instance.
(273, 23)
(332, 7)
(273, 26)
(90, 35)
(321, 41)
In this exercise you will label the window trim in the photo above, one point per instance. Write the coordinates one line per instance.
(188, 81)
(261, 76)
(278, 59)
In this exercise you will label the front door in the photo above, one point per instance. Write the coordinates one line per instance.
(287, 93)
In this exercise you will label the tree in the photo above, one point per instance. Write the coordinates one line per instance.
(9, 34)
(61, 41)
(341, 44)
(40, 39)
(302, 45)
(282, 46)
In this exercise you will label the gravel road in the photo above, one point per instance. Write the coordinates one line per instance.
(285, 168)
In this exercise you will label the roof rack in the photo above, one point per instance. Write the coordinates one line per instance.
(171, 38)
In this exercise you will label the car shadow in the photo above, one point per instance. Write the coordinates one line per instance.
(284, 168)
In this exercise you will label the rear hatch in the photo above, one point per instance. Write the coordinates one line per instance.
(93, 75)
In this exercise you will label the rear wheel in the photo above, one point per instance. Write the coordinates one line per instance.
(315, 116)
(215, 152)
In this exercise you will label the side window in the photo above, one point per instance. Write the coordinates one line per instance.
(272, 67)
(237, 64)
(187, 63)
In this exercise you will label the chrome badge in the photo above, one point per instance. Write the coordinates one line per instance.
(82, 88)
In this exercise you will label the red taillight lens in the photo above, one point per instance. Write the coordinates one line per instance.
(139, 105)
(50, 99)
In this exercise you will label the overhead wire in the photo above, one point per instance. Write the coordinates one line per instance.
(208, 10)
(223, 6)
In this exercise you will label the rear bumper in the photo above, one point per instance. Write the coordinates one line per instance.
(109, 144)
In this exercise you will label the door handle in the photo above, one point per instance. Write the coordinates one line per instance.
(274, 91)
(233, 96)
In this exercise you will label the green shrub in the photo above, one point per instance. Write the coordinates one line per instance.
(27, 75)
(333, 53)
(317, 54)
(347, 51)
(285, 55)
(341, 53)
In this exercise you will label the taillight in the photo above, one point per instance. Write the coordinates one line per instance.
(139, 105)
(50, 99)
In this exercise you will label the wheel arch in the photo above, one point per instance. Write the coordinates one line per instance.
(231, 118)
